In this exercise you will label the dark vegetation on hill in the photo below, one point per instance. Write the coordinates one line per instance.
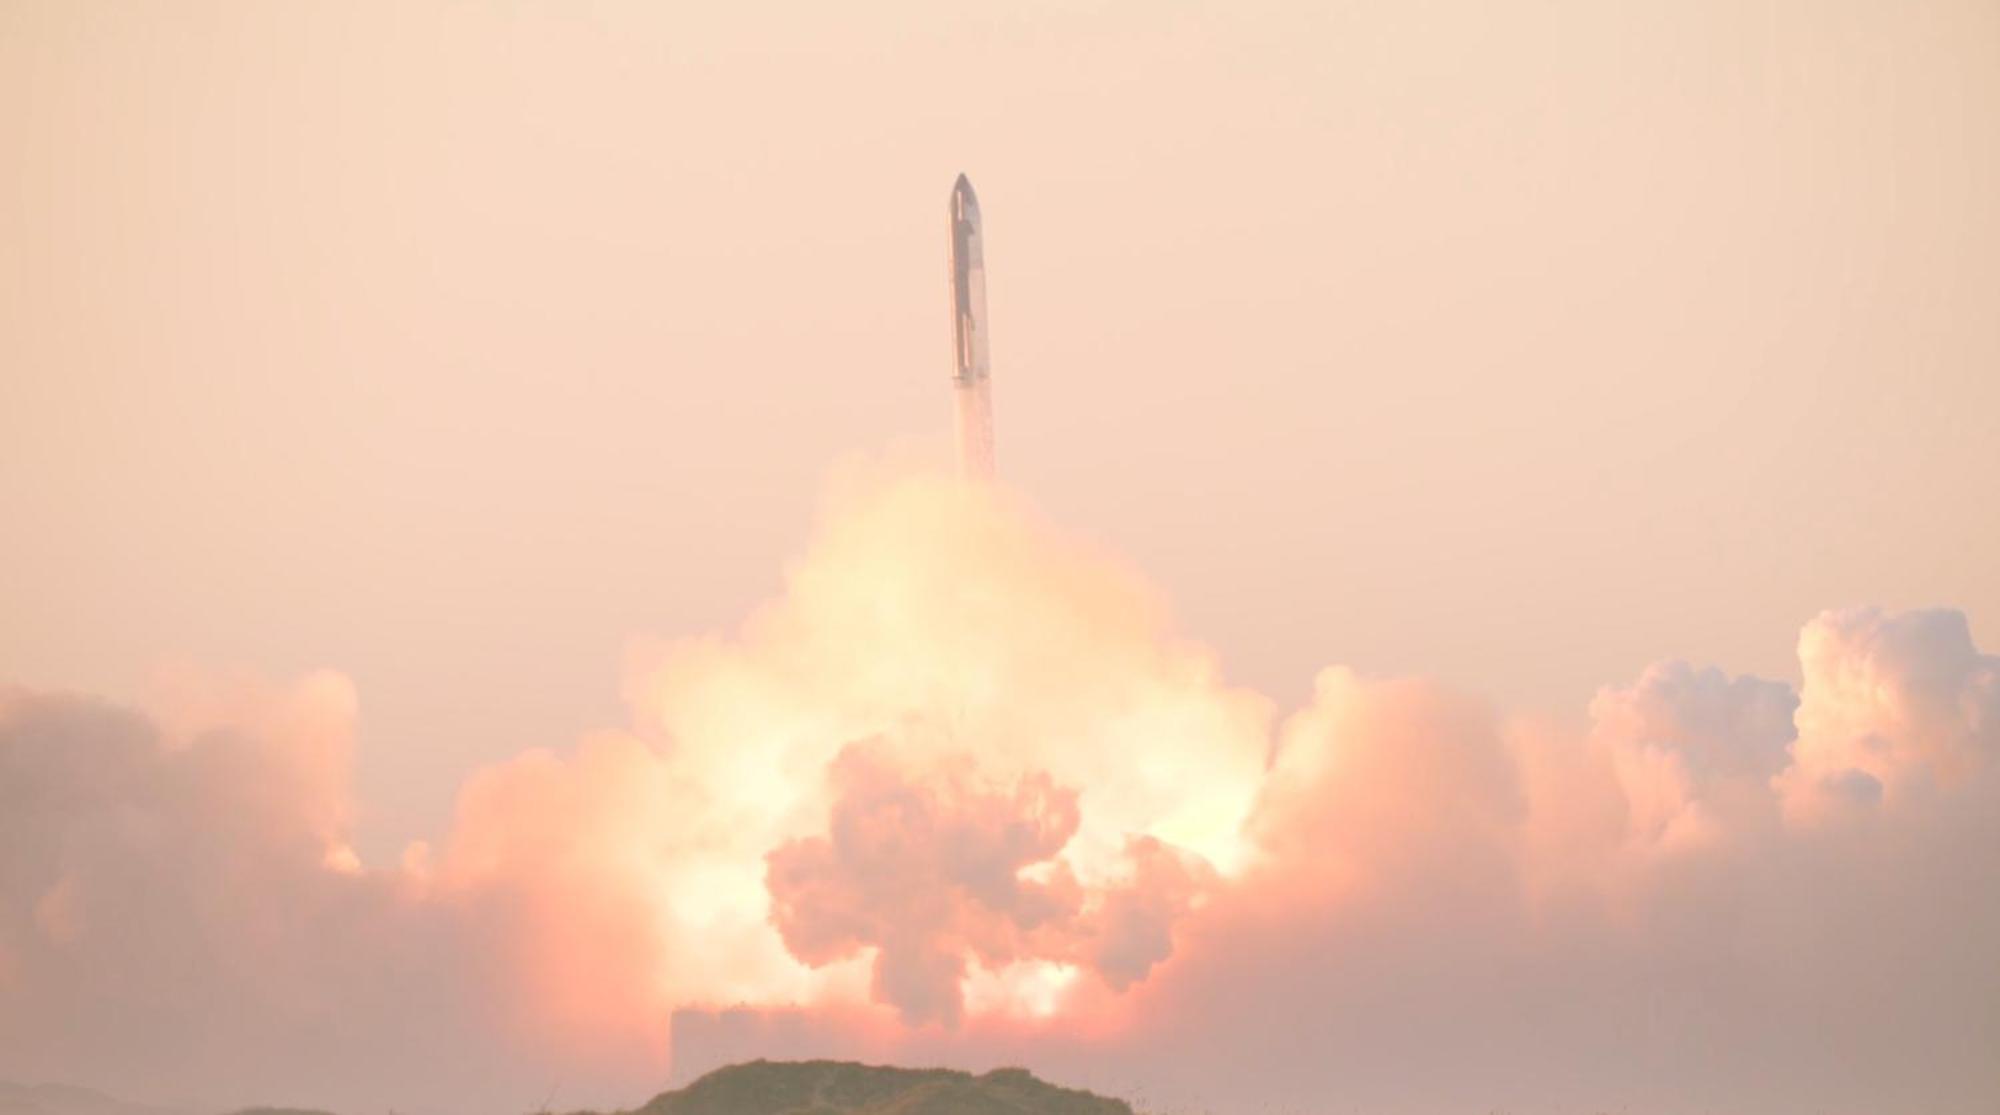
(841, 1088)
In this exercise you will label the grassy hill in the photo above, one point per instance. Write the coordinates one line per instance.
(841, 1088)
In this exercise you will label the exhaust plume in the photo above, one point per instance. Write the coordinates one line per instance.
(961, 793)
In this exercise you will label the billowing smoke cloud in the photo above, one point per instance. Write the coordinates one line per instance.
(962, 794)
(930, 875)
(1906, 711)
(934, 874)
(177, 907)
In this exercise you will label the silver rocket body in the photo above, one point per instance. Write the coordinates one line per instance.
(970, 368)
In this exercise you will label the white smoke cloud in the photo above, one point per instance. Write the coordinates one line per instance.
(1898, 710)
(176, 903)
(929, 872)
(961, 793)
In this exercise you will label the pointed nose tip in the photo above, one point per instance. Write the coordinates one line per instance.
(963, 187)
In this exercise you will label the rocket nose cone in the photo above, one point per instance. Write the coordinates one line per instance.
(963, 188)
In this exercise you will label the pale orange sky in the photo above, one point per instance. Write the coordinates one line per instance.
(451, 345)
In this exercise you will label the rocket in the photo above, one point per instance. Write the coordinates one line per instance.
(968, 334)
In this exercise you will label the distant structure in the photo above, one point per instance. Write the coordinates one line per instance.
(970, 367)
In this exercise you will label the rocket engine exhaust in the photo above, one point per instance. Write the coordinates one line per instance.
(970, 368)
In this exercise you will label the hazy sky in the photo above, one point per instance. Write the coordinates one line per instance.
(1374, 383)
(450, 345)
